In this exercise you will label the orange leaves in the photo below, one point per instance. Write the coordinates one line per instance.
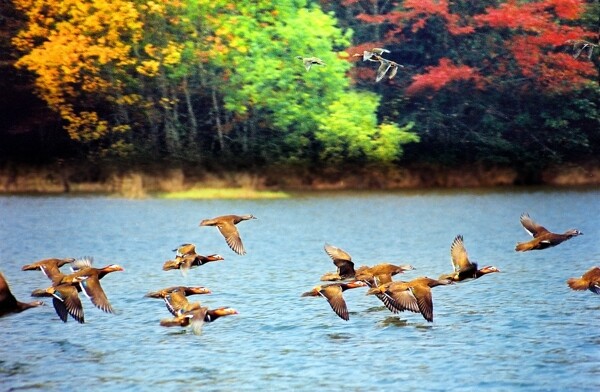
(77, 49)
(437, 77)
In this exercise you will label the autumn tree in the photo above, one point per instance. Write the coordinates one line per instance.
(188, 80)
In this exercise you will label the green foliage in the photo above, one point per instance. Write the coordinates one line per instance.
(350, 131)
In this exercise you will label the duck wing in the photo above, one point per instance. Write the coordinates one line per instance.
(232, 237)
(460, 258)
(424, 300)
(336, 253)
(176, 302)
(532, 227)
(405, 300)
(66, 300)
(334, 296)
(393, 72)
(91, 287)
(382, 70)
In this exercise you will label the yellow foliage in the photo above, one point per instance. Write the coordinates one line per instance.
(148, 68)
(172, 53)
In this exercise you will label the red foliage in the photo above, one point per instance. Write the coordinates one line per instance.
(439, 76)
(532, 31)
(420, 10)
(535, 35)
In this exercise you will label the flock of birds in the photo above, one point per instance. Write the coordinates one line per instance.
(397, 296)
(83, 277)
(374, 55)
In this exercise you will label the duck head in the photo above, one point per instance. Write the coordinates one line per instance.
(355, 284)
(113, 268)
(225, 311)
(488, 269)
(199, 290)
(573, 233)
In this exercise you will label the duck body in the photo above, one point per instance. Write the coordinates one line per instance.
(590, 280)
(414, 296)
(189, 261)
(193, 319)
(9, 304)
(463, 267)
(542, 237)
(49, 267)
(333, 294)
(226, 225)
(197, 317)
(380, 273)
(185, 289)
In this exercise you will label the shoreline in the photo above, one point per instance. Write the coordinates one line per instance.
(200, 183)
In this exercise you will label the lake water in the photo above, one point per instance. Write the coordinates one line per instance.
(522, 329)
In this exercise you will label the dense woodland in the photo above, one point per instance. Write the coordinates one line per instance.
(216, 84)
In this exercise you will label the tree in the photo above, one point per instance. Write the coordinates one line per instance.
(185, 80)
(476, 75)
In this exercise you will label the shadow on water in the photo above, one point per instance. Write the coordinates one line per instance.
(12, 369)
(374, 309)
(340, 336)
(393, 321)
(83, 353)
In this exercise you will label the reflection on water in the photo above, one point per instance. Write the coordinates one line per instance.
(392, 321)
(521, 329)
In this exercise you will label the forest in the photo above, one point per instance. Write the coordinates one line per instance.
(216, 84)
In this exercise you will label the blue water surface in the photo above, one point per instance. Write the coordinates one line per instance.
(521, 329)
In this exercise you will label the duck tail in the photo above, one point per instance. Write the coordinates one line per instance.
(523, 247)
(170, 264)
(577, 284)
(174, 322)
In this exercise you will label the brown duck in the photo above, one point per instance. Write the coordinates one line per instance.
(310, 61)
(8, 302)
(463, 267)
(197, 317)
(49, 267)
(226, 225)
(343, 262)
(414, 296)
(193, 319)
(88, 279)
(588, 281)
(333, 294)
(65, 299)
(380, 273)
(185, 289)
(542, 238)
(188, 261)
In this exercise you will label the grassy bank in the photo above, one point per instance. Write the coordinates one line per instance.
(198, 183)
(223, 193)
